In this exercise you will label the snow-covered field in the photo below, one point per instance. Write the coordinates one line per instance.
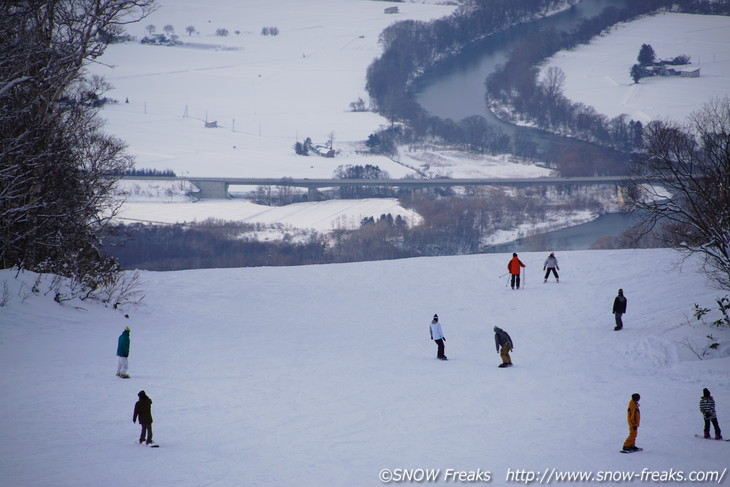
(322, 217)
(325, 375)
(266, 93)
(597, 74)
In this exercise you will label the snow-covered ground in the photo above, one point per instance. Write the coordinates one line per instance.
(322, 217)
(597, 74)
(325, 375)
(265, 92)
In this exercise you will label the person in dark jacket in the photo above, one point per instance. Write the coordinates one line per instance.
(123, 354)
(143, 411)
(707, 408)
(504, 345)
(619, 308)
(514, 266)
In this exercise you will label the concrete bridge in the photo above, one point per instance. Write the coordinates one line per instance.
(211, 188)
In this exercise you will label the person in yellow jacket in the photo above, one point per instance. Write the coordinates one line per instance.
(633, 417)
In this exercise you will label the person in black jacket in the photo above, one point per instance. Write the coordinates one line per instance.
(504, 345)
(619, 308)
(143, 411)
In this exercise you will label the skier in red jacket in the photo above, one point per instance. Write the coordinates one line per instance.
(513, 267)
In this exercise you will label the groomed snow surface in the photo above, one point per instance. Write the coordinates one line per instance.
(325, 375)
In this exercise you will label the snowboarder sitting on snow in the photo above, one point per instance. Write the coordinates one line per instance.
(143, 411)
(707, 407)
(504, 345)
(438, 336)
(619, 308)
(123, 354)
(513, 266)
(633, 416)
(551, 264)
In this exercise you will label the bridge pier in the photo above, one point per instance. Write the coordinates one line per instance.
(212, 189)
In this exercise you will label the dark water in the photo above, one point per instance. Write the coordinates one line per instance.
(579, 237)
(455, 88)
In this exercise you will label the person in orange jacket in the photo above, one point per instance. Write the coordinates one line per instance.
(513, 267)
(633, 416)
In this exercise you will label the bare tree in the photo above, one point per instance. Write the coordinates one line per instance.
(553, 82)
(57, 167)
(682, 185)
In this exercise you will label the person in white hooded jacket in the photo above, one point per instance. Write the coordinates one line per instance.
(551, 265)
(437, 335)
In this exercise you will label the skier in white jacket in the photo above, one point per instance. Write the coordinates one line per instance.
(551, 265)
(437, 335)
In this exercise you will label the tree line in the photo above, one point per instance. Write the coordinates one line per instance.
(451, 224)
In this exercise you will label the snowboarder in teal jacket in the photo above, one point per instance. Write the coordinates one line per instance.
(123, 354)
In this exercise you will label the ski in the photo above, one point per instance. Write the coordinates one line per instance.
(631, 451)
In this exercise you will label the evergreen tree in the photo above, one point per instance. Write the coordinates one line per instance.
(636, 73)
(646, 55)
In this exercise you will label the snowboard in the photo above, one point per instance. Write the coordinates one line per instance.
(702, 437)
(154, 445)
(631, 451)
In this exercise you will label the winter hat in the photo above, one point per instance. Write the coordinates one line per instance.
(142, 394)
(514, 254)
(706, 392)
(635, 397)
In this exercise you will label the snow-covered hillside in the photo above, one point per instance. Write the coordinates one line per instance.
(325, 375)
